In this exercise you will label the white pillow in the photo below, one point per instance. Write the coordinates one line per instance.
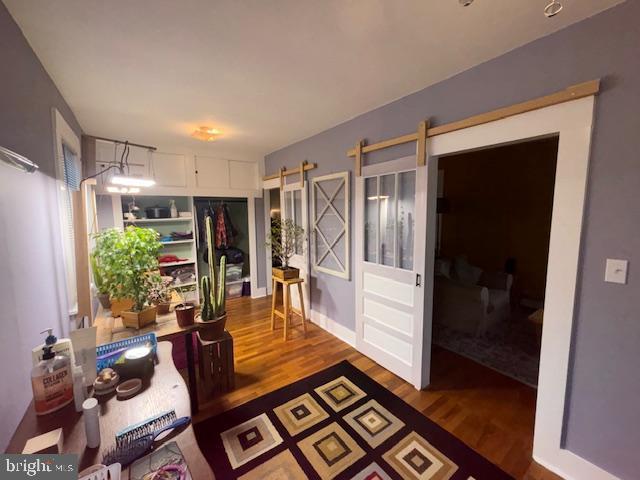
(442, 267)
(466, 273)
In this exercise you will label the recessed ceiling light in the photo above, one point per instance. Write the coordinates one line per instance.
(208, 134)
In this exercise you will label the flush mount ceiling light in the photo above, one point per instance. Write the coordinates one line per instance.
(553, 8)
(465, 3)
(207, 134)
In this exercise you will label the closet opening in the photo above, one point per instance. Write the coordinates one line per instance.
(231, 239)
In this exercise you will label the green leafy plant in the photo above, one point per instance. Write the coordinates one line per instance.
(213, 293)
(99, 279)
(129, 261)
(283, 239)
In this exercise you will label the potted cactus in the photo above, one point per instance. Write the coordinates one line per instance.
(285, 239)
(213, 315)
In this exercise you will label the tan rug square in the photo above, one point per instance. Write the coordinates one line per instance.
(300, 413)
(330, 450)
(281, 467)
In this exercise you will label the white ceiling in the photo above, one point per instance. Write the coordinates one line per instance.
(266, 72)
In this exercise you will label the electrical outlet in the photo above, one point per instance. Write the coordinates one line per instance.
(616, 271)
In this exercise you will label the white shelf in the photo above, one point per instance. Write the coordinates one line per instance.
(176, 242)
(160, 220)
(175, 264)
(183, 285)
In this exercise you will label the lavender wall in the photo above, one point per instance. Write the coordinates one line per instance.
(603, 418)
(30, 295)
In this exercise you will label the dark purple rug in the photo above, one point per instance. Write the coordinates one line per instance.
(338, 423)
(179, 352)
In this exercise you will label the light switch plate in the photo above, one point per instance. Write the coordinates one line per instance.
(616, 271)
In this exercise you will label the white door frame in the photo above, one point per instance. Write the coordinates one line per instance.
(268, 185)
(573, 122)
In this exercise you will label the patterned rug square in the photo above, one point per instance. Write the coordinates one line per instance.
(336, 424)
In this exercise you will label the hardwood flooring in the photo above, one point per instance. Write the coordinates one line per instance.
(491, 413)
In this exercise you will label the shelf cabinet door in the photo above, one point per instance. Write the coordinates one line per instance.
(169, 169)
(212, 172)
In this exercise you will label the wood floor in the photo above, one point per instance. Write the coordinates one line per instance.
(491, 413)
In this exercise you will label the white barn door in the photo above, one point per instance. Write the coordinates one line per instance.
(294, 206)
(390, 231)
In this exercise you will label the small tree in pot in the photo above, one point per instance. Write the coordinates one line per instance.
(131, 266)
(284, 239)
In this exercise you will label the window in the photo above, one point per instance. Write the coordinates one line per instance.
(69, 177)
(389, 217)
(330, 209)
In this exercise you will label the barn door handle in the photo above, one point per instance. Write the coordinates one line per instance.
(418, 280)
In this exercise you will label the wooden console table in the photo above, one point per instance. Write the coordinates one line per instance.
(166, 327)
(166, 391)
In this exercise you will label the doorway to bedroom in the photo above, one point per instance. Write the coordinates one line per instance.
(494, 209)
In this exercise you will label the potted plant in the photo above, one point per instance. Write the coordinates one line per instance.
(100, 281)
(283, 239)
(213, 304)
(160, 294)
(185, 311)
(131, 264)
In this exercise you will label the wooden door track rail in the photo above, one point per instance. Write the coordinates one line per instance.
(304, 166)
(574, 92)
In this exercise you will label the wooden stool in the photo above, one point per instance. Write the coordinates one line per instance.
(215, 359)
(286, 301)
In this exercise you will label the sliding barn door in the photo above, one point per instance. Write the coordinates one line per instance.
(294, 206)
(390, 264)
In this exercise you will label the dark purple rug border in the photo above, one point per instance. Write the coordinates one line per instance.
(469, 462)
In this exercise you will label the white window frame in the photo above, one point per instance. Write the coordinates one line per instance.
(64, 134)
(316, 232)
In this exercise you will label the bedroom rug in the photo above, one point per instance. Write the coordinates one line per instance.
(337, 423)
(509, 348)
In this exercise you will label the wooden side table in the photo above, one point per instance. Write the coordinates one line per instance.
(286, 301)
(216, 363)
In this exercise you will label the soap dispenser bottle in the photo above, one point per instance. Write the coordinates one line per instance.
(51, 379)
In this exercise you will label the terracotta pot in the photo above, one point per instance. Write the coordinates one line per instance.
(119, 306)
(285, 273)
(138, 320)
(212, 329)
(104, 300)
(185, 314)
(163, 308)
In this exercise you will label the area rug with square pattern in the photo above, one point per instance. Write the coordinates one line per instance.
(335, 424)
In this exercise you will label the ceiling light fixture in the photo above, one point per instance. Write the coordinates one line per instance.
(208, 134)
(553, 8)
(465, 3)
(16, 160)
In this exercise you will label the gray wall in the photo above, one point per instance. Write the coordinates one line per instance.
(30, 297)
(603, 420)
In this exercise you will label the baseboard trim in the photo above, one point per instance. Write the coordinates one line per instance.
(572, 467)
(258, 292)
(334, 328)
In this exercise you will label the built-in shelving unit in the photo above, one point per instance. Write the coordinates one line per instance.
(183, 248)
(158, 220)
